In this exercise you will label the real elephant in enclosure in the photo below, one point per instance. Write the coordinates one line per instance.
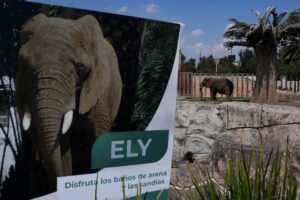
(66, 70)
(222, 86)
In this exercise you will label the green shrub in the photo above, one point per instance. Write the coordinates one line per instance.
(256, 179)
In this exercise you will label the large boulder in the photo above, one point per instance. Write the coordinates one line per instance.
(196, 127)
(216, 132)
(250, 126)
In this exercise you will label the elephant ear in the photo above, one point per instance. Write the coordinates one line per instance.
(209, 82)
(95, 59)
(89, 92)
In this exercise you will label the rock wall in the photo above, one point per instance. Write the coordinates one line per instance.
(196, 127)
(214, 132)
(203, 127)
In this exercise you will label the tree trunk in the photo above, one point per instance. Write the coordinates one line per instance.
(265, 90)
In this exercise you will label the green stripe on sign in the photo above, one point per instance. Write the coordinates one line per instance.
(160, 195)
(129, 148)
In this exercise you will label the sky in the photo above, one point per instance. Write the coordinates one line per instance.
(203, 21)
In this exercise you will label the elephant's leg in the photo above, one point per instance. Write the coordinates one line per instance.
(213, 94)
(228, 93)
(201, 93)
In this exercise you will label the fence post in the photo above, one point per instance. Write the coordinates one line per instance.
(252, 84)
(294, 81)
(237, 85)
(290, 82)
(193, 84)
(234, 93)
(242, 85)
(204, 87)
(247, 82)
(183, 84)
(179, 84)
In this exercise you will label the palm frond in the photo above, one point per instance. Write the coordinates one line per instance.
(292, 18)
(291, 33)
(292, 29)
(237, 22)
(292, 53)
(238, 30)
(269, 11)
(265, 23)
(235, 33)
(280, 17)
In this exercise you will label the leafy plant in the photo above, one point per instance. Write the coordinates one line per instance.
(157, 53)
(269, 179)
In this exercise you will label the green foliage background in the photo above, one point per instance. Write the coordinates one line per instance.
(157, 55)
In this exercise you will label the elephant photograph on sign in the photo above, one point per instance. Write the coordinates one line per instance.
(221, 86)
(66, 66)
(77, 74)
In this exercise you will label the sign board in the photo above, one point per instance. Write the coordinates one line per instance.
(128, 146)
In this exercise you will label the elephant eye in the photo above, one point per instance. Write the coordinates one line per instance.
(82, 73)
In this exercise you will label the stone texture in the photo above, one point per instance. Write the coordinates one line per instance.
(179, 143)
(198, 144)
(274, 136)
(215, 132)
(197, 125)
(241, 114)
(206, 123)
(279, 115)
(184, 111)
(228, 145)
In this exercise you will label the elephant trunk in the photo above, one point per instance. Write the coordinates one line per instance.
(50, 109)
(48, 122)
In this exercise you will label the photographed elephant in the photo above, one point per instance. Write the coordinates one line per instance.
(222, 86)
(66, 69)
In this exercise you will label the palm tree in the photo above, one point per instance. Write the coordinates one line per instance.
(272, 32)
(292, 53)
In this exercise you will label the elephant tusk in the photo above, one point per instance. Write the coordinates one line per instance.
(67, 121)
(26, 121)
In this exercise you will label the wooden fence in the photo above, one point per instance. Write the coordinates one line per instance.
(189, 84)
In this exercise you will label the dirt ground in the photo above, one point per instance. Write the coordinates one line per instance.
(291, 103)
(294, 103)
